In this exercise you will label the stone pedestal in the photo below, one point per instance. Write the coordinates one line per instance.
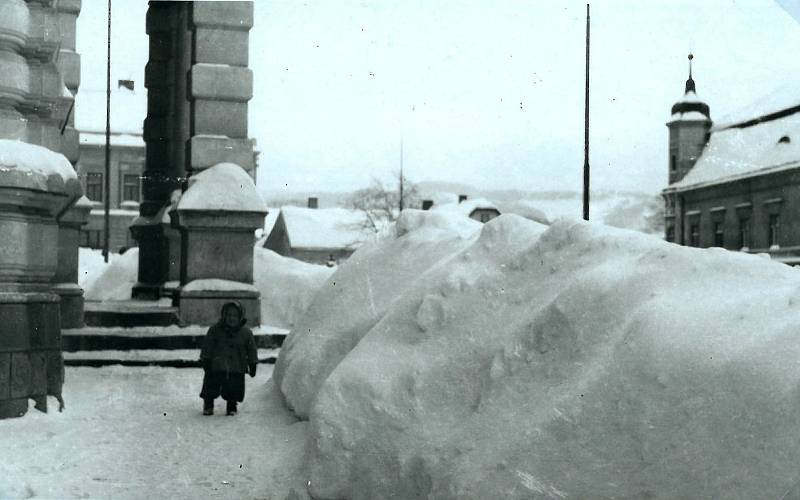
(218, 216)
(65, 282)
(36, 187)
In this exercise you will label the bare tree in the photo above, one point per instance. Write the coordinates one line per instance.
(382, 203)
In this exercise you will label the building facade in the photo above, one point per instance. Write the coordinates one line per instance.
(126, 165)
(735, 185)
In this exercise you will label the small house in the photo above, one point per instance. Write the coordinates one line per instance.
(318, 236)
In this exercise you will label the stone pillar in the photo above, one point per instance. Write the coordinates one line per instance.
(36, 186)
(15, 78)
(217, 217)
(198, 87)
(65, 282)
(166, 130)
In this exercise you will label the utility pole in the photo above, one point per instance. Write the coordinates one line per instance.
(401, 176)
(586, 129)
(107, 197)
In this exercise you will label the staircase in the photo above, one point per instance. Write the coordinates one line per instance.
(130, 313)
(146, 333)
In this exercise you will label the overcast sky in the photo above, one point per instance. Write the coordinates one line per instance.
(486, 92)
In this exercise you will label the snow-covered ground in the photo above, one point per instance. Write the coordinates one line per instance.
(133, 433)
(456, 360)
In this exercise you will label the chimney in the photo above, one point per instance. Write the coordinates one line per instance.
(313, 202)
(427, 204)
(462, 198)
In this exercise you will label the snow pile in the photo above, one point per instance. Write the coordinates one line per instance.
(358, 296)
(90, 266)
(115, 280)
(527, 209)
(30, 166)
(738, 152)
(466, 207)
(286, 285)
(640, 214)
(311, 228)
(225, 186)
(580, 361)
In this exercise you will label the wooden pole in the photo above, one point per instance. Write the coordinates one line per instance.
(107, 197)
(402, 181)
(586, 129)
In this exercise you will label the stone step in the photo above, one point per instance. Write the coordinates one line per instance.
(175, 358)
(167, 338)
(130, 313)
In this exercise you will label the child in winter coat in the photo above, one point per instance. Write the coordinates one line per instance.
(229, 350)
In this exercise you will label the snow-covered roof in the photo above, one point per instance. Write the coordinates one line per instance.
(785, 96)
(742, 152)
(325, 227)
(225, 186)
(128, 111)
(689, 116)
(117, 139)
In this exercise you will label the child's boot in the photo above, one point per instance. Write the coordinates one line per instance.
(231, 408)
(208, 407)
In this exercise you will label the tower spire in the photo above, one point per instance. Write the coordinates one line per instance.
(690, 82)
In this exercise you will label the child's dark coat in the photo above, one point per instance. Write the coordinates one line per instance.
(227, 354)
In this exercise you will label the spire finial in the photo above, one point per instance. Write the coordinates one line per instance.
(690, 82)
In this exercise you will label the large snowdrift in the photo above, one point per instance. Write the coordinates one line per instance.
(359, 295)
(286, 286)
(580, 361)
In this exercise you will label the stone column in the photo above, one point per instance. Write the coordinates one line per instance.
(15, 78)
(221, 209)
(65, 281)
(36, 186)
(166, 130)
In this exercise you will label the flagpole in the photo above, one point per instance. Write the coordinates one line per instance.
(401, 176)
(107, 197)
(586, 129)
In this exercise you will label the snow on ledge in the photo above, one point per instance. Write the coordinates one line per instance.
(226, 187)
(35, 167)
(218, 285)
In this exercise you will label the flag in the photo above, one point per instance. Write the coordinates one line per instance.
(128, 84)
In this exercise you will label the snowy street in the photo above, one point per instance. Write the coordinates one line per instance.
(130, 432)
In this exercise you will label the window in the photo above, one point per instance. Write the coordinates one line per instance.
(694, 235)
(485, 216)
(673, 163)
(774, 229)
(719, 235)
(130, 187)
(91, 239)
(671, 233)
(744, 232)
(94, 186)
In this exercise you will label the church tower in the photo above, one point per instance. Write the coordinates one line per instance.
(689, 128)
